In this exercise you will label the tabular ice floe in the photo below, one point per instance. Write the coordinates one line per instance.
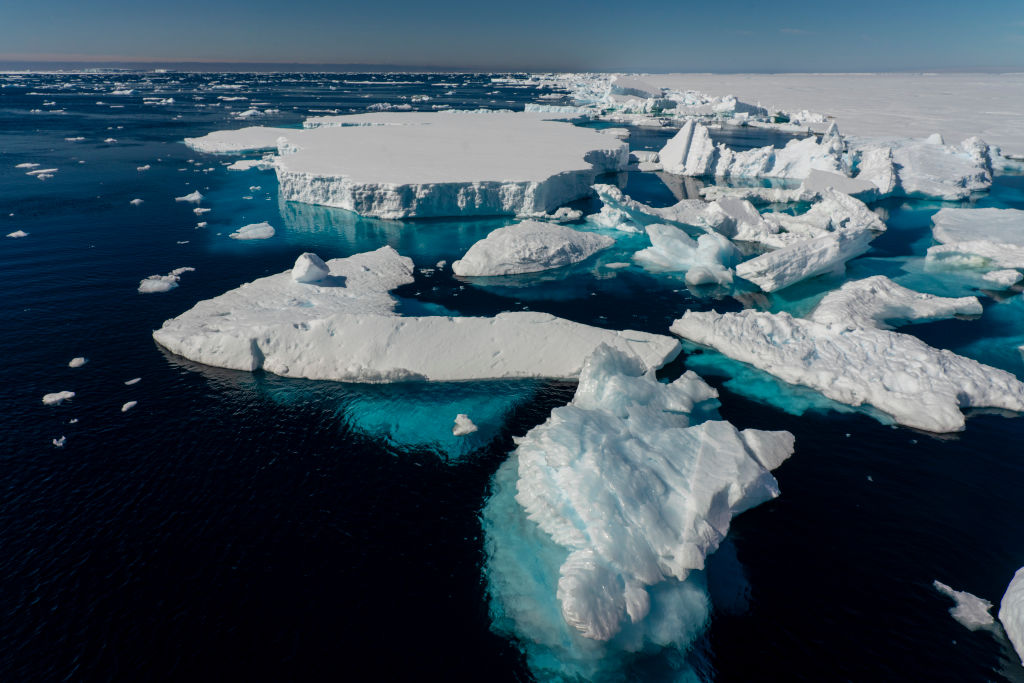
(254, 231)
(1011, 612)
(432, 164)
(343, 329)
(162, 283)
(529, 247)
(601, 520)
(58, 397)
(970, 610)
(463, 425)
(979, 239)
(918, 385)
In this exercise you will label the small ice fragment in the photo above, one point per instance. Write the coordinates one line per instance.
(134, 380)
(27, 164)
(970, 610)
(309, 268)
(73, 421)
(617, 265)
(17, 233)
(201, 224)
(199, 211)
(75, 139)
(441, 264)
(183, 241)
(142, 168)
(162, 283)
(254, 231)
(128, 406)
(59, 443)
(463, 425)
(56, 398)
(110, 140)
(135, 202)
(77, 362)
(193, 197)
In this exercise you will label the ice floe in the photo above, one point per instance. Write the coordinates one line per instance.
(17, 233)
(602, 518)
(162, 283)
(344, 330)
(970, 610)
(707, 260)
(529, 247)
(77, 362)
(979, 239)
(57, 397)
(191, 197)
(463, 425)
(805, 259)
(879, 302)
(1011, 612)
(917, 385)
(128, 406)
(254, 231)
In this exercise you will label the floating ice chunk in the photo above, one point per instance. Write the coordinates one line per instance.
(835, 212)
(817, 182)
(77, 362)
(463, 425)
(192, 197)
(529, 247)
(199, 211)
(805, 259)
(309, 268)
(879, 302)
(707, 260)
(246, 164)
(110, 140)
(919, 386)
(1011, 612)
(134, 380)
(56, 398)
(631, 85)
(946, 172)
(981, 239)
(1002, 279)
(128, 406)
(74, 139)
(136, 202)
(17, 233)
(42, 171)
(876, 166)
(690, 152)
(145, 167)
(347, 332)
(254, 231)
(162, 283)
(59, 442)
(636, 494)
(970, 610)
(27, 164)
(251, 139)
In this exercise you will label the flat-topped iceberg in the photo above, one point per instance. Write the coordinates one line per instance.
(251, 139)
(1011, 612)
(341, 327)
(601, 520)
(918, 385)
(421, 164)
(529, 247)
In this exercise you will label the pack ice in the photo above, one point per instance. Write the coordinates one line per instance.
(341, 327)
(1011, 612)
(529, 247)
(418, 164)
(841, 352)
(980, 239)
(611, 506)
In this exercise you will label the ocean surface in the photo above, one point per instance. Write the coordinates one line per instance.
(243, 526)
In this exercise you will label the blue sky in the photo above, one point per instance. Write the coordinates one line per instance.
(740, 35)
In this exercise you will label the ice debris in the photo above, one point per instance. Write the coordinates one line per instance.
(254, 231)
(56, 398)
(529, 247)
(17, 233)
(970, 610)
(309, 268)
(707, 260)
(77, 362)
(1011, 612)
(463, 425)
(979, 239)
(191, 197)
(162, 283)
(128, 406)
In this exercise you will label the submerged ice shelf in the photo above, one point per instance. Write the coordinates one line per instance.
(341, 327)
(432, 164)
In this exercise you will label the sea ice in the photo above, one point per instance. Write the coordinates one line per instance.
(707, 260)
(162, 283)
(17, 233)
(251, 139)
(529, 247)
(136, 202)
(134, 380)
(192, 197)
(970, 610)
(619, 497)
(77, 362)
(879, 302)
(1011, 612)
(918, 385)
(254, 231)
(56, 398)
(805, 259)
(344, 330)
(978, 239)
(128, 406)
(463, 425)
(59, 442)
(309, 268)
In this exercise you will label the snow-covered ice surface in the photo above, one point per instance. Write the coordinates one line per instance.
(529, 247)
(1011, 612)
(162, 283)
(254, 231)
(600, 522)
(435, 164)
(707, 260)
(57, 397)
(979, 239)
(970, 610)
(342, 328)
(879, 302)
(917, 385)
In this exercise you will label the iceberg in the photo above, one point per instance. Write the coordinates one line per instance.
(970, 610)
(918, 385)
(529, 247)
(707, 260)
(128, 406)
(58, 397)
(251, 139)
(805, 259)
(601, 521)
(192, 197)
(17, 233)
(77, 362)
(463, 425)
(254, 231)
(162, 283)
(343, 328)
(430, 164)
(1011, 612)
(879, 302)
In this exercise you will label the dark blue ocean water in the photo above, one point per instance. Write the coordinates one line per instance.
(244, 526)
